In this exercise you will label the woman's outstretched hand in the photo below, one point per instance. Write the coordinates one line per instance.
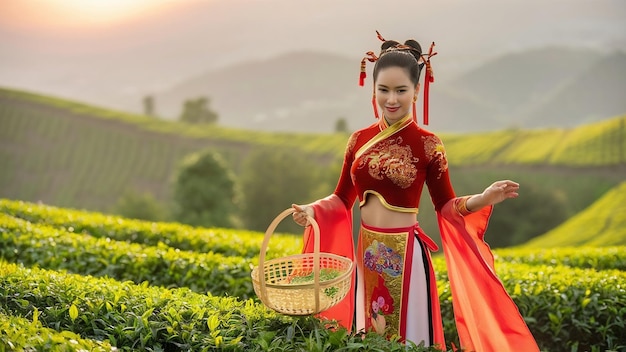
(299, 216)
(494, 194)
(499, 191)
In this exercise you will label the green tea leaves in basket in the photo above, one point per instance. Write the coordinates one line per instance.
(326, 274)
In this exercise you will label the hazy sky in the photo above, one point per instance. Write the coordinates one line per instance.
(105, 51)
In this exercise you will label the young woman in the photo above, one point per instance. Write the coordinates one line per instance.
(385, 166)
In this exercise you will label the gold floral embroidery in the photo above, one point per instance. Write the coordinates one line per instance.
(391, 159)
(434, 149)
(352, 142)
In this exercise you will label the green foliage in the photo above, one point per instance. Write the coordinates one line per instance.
(142, 206)
(19, 334)
(139, 317)
(565, 308)
(598, 258)
(587, 306)
(601, 224)
(569, 308)
(229, 242)
(198, 111)
(273, 179)
(205, 191)
(161, 265)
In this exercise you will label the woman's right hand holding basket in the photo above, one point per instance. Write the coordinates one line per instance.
(301, 212)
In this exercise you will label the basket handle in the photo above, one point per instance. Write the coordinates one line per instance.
(316, 254)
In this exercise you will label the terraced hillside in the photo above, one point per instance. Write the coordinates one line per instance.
(70, 154)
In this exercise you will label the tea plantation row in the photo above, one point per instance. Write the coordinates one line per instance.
(151, 294)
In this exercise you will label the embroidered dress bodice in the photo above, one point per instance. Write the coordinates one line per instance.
(393, 163)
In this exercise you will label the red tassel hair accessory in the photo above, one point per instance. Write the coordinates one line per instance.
(371, 57)
(428, 78)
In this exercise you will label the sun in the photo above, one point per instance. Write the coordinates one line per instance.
(104, 11)
(82, 13)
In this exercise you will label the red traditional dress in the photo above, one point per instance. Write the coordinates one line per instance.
(396, 291)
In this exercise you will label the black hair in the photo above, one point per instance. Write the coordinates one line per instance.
(407, 58)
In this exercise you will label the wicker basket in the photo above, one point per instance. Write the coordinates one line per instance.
(280, 294)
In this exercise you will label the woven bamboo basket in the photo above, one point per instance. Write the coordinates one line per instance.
(278, 290)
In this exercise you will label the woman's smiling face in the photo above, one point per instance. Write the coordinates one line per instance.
(395, 92)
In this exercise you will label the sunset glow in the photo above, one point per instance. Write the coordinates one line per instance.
(80, 13)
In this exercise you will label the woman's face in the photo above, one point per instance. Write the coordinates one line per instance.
(395, 92)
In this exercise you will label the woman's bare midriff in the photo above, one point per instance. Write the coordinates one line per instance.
(374, 213)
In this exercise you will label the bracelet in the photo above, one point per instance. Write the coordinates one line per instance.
(461, 206)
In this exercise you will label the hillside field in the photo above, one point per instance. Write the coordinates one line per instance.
(70, 154)
(74, 155)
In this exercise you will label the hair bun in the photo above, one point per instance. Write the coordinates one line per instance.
(414, 44)
(388, 44)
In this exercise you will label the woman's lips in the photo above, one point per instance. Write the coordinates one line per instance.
(392, 109)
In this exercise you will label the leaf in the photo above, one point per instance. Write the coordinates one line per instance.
(35, 317)
(585, 302)
(554, 318)
(213, 322)
(73, 312)
(517, 290)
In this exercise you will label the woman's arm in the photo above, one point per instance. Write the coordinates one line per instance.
(494, 194)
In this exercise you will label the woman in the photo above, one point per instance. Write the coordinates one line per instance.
(385, 166)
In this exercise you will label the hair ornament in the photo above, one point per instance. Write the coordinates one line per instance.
(429, 77)
(371, 57)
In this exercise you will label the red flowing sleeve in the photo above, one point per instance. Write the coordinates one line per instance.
(334, 217)
(486, 317)
(335, 223)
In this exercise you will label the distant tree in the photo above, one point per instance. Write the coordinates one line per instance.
(341, 125)
(198, 111)
(142, 206)
(148, 105)
(205, 192)
(271, 180)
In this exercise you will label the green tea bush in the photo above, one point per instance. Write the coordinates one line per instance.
(53, 248)
(569, 309)
(228, 242)
(19, 334)
(598, 258)
(139, 317)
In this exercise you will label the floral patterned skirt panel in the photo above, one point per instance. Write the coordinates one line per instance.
(393, 284)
